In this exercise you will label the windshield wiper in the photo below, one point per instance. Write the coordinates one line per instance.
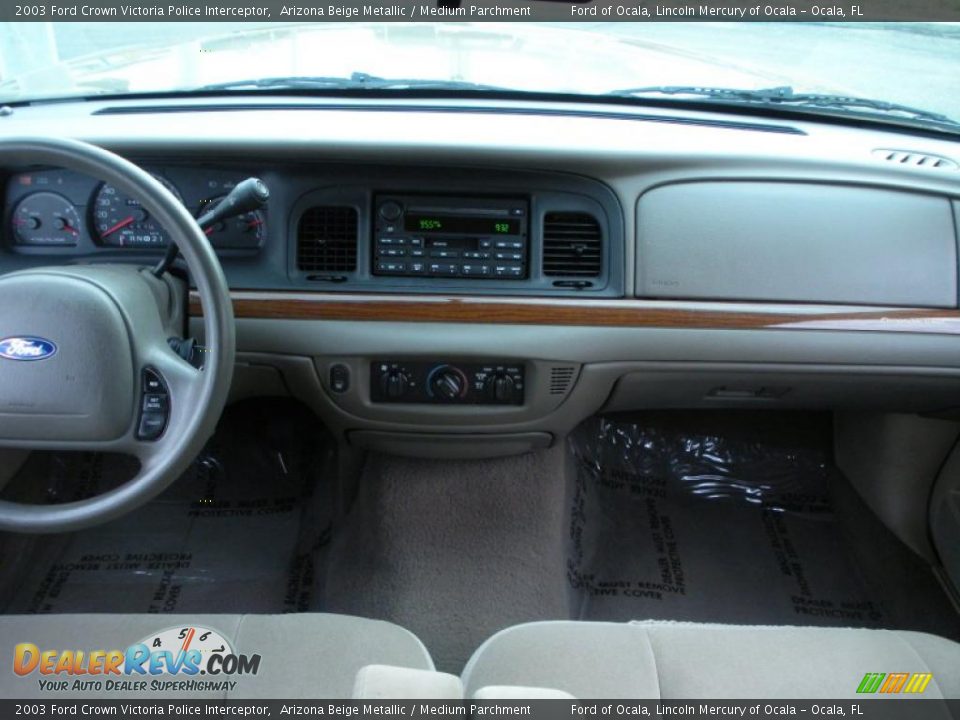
(356, 81)
(786, 96)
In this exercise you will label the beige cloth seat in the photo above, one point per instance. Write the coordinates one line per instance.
(309, 655)
(664, 660)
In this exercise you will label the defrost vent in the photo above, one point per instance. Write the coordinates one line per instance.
(916, 159)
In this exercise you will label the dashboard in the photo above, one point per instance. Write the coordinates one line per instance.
(348, 228)
(466, 279)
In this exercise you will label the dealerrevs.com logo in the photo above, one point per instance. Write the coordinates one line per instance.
(181, 659)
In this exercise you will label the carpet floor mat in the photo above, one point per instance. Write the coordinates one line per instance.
(453, 550)
(227, 536)
(671, 522)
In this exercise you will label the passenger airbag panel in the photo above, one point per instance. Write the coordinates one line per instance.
(796, 242)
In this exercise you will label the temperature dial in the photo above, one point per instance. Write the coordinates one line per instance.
(448, 382)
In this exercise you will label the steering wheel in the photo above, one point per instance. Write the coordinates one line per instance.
(82, 348)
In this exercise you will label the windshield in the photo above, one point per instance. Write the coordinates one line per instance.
(909, 64)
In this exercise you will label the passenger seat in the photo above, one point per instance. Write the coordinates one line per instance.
(666, 660)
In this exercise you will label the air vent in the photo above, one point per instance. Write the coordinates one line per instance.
(561, 379)
(915, 159)
(572, 245)
(327, 240)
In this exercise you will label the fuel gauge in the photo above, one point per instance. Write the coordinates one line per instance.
(46, 218)
(244, 232)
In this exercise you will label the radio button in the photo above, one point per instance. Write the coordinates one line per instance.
(390, 210)
(509, 245)
(392, 252)
(508, 256)
(508, 271)
(444, 254)
(486, 244)
(391, 267)
(472, 269)
(444, 269)
(417, 253)
(416, 242)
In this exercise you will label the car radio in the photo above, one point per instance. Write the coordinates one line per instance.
(451, 237)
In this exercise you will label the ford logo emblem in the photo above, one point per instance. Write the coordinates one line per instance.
(26, 348)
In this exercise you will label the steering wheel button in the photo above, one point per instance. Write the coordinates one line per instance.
(151, 425)
(152, 382)
(155, 402)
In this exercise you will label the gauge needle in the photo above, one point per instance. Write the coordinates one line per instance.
(119, 226)
(186, 641)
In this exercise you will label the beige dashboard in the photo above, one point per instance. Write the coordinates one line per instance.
(710, 208)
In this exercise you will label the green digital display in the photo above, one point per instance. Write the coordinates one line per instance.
(459, 224)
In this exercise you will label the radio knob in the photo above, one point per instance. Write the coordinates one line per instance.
(501, 388)
(390, 211)
(393, 383)
(448, 384)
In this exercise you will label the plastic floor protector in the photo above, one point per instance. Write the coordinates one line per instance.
(668, 524)
(226, 537)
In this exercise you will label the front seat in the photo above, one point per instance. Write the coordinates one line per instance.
(671, 660)
(309, 655)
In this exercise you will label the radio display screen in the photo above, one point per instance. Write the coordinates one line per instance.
(460, 224)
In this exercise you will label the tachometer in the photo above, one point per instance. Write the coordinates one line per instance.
(46, 218)
(121, 221)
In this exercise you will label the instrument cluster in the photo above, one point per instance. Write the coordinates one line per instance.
(56, 209)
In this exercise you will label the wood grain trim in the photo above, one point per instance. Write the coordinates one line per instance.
(592, 313)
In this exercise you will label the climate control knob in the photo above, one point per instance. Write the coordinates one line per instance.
(393, 383)
(501, 388)
(448, 383)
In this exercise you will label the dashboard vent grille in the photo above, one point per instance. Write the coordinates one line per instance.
(561, 378)
(327, 240)
(915, 159)
(572, 245)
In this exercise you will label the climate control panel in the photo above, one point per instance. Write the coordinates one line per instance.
(447, 383)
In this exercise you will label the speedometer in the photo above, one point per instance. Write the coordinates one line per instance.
(121, 221)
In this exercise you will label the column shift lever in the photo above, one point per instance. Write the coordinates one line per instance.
(251, 194)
